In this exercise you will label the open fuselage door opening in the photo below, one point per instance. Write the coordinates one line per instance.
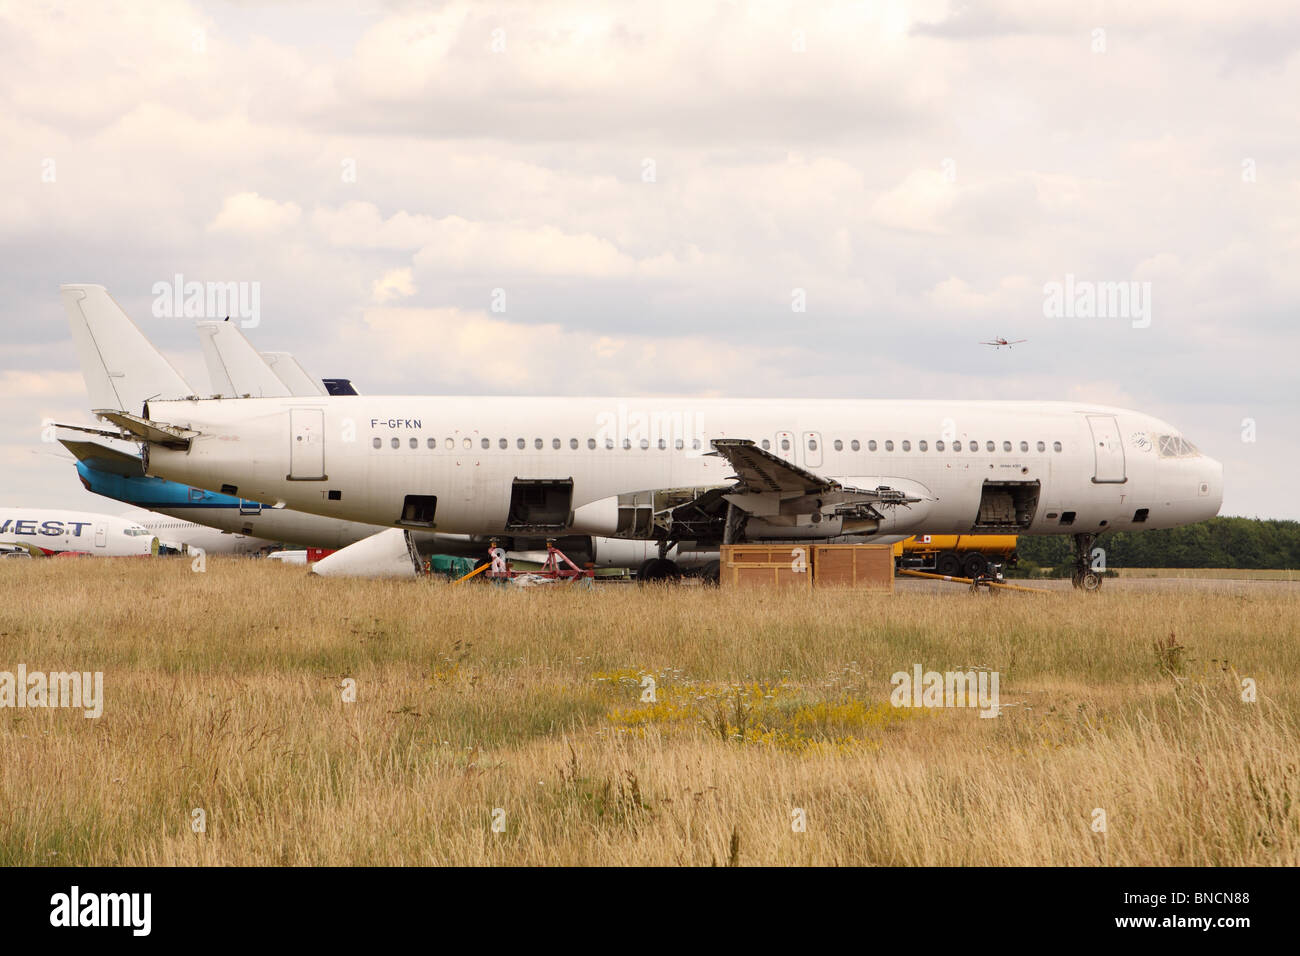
(1007, 506)
(540, 505)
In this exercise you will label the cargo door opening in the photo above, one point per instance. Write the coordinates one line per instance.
(1007, 506)
(540, 504)
(418, 511)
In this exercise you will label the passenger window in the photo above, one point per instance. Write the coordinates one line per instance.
(431, 443)
(812, 444)
(396, 443)
(785, 444)
(449, 443)
(502, 443)
(609, 444)
(377, 442)
(645, 443)
(591, 443)
(573, 443)
(555, 443)
(627, 443)
(695, 444)
(871, 445)
(907, 446)
(1042, 446)
(1006, 446)
(519, 443)
(662, 444)
(854, 445)
(1024, 446)
(839, 445)
(486, 443)
(889, 444)
(767, 445)
(990, 446)
(679, 444)
(1056, 446)
(466, 443)
(415, 443)
(921, 445)
(956, 446)
(537, 443)
(938, 446)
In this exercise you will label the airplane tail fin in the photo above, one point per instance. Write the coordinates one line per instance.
(290, 371)
(234, 366)
(339, 386)
(121, 367)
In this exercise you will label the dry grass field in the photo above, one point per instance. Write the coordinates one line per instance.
(224, 692)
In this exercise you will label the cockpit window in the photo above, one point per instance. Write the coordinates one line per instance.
(1175, 446)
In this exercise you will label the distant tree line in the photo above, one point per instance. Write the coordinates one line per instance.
(1218, 543)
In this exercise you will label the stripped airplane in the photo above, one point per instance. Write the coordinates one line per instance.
(689, 472)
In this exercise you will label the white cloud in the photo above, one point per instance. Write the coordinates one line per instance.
(251, 214)
(394, 284)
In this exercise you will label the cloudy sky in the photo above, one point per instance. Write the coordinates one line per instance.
(587, 198)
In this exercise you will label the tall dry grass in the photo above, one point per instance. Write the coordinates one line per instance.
(223, 693)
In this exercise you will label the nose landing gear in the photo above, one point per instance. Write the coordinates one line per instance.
(1085, 577)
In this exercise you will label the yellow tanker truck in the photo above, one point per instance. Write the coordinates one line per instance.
(959, 555)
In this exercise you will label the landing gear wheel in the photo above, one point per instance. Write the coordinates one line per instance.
(711, 574)
(1084, 577)
(975, 565)
(948, 564)
(658, 569)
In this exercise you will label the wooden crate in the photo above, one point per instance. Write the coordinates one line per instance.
(853, 565)
(766, 565)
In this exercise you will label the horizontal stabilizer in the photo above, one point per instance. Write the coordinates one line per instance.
(169, 436)
(102, 458)
(91, 430)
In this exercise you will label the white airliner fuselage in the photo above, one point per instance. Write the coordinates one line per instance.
(689, 472)
(57, 530)
(1061, 467)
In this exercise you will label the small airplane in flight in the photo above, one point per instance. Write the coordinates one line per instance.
(999, 341)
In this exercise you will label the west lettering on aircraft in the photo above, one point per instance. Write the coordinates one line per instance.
(28, 526)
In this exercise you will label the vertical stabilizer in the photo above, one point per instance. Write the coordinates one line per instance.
(121, 367)
(236, 370)
(290, 371)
